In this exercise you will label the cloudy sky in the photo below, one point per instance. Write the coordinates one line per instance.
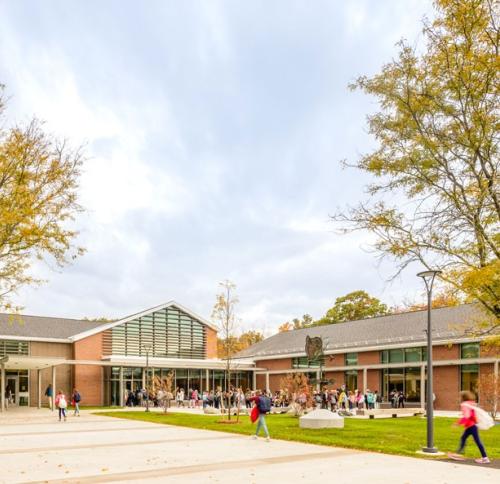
(214, 132)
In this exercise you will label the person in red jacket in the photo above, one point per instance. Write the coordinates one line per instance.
(262, 402)
(469, 421)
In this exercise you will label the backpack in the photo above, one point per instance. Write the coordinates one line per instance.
(62, 402)
(264, 405)
(483, 419)
(77, 397)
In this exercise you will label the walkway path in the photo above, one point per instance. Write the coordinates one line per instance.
(35, 447)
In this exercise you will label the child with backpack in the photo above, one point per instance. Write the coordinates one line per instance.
(473, 418)
(61, 404)
(76, 398)
(263, 404)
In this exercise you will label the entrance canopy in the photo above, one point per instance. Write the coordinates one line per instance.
(15, 362)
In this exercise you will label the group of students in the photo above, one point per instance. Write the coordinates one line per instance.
(347, 400)
(61, 402)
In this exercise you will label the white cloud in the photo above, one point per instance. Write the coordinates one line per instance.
(213, 136)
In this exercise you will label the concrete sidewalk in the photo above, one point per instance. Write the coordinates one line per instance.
(35, 447)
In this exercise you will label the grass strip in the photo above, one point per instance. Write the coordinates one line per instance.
(399, 436)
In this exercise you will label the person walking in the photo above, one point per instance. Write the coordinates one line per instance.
(61, 404)
(263, 404)
(49, 393)
(76, 398)
(469, 421)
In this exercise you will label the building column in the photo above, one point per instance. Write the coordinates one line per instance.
(2, 387)
(54, 391)
(267, 382)
(120, 387)
(422, 386)
(39, 387)
(207, 377)
(254, 380)
(365, 379)
(318, 378)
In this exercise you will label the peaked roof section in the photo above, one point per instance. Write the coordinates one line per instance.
(383, 330)
(105, 326)
(42, 327)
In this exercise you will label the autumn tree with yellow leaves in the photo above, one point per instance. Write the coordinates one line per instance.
(38, 200)
(435, 199)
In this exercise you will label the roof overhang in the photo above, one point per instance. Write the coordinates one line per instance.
(15, 362)
(209, 364)
(21, 362)
(104, 327)
(33, 338)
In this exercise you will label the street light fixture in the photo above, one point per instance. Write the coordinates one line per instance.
(428, 277)
(147, 349)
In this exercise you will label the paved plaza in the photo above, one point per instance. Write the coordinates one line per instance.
(35, 447)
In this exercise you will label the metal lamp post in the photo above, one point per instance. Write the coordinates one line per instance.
(428, 277)
(147, 349)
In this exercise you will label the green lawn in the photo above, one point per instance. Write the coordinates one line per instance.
(402, 436)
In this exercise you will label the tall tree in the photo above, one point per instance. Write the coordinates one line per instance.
(249, 338)
(437, 158)
(239, 343)
(353, 306)
(38, 198)
(224, 316)
(287, 326)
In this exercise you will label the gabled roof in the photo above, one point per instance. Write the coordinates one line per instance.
(404, 328)
(104, 327)
(21, 326)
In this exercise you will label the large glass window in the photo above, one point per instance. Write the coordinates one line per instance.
(404, 355)
(469, 376)
(406, 380)
(396, 356)
(170, 333)
(351, 359)
(351, 379)
(303, 362)
(413, 355)
(469, 350)
(13, 347)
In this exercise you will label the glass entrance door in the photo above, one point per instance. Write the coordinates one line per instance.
(12, 390)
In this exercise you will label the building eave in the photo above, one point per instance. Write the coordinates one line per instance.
(34, 338)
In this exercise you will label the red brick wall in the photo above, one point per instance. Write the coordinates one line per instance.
(335, 360)
(368, 357)
(445, 352)
(280, 364)
(486, 395)
(489, 351)
(211, 343)
(373, 380)
(88, 379)
(336, 376)
(275, 381)
(446, 382)
(260, 381)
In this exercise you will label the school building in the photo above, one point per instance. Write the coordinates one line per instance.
(105, 360)
(385, 353)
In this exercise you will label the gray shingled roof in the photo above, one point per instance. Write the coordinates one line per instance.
(43, 327)
(384, 330)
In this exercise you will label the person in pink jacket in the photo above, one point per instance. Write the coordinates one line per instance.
(469, 420)
(61, 404)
